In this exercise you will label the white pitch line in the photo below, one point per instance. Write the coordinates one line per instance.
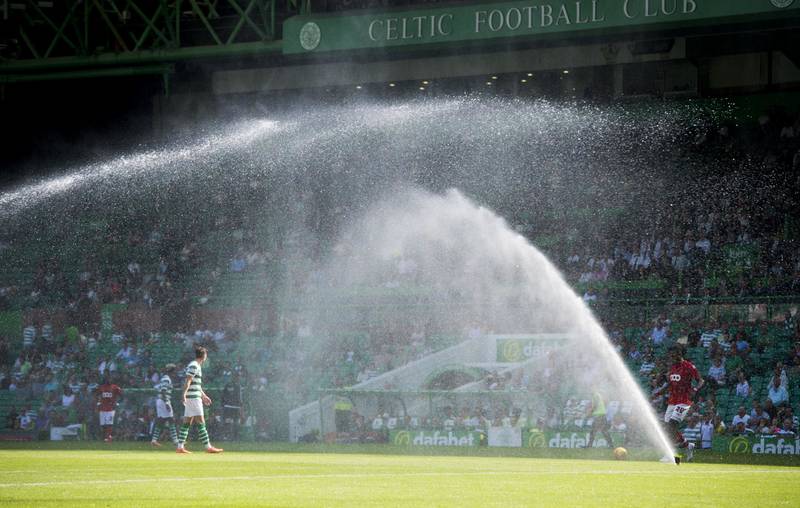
(394, 475)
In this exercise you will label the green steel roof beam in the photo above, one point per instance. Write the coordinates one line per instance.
(60, 32)
(244, 17)
(145, 56)
(205, 22)
(90, 73)
(52, 24)
(28, 43)
(111, 26)
(150, 22)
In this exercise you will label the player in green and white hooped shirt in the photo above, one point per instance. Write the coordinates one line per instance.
(164, 414)
(193, 400)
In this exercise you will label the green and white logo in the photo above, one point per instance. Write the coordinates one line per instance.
(536, 440)
(310, 36)
(781, 3)
(739, 445)
(512, 351)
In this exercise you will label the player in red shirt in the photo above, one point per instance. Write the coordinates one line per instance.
(680, 379)
(107, 395)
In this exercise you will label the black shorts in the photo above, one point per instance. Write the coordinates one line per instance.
(600, 423)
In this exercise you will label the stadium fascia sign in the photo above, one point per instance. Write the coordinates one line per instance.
(436, 438)
(758, 445)
(526, 19)
(518, 349)
(531, 438)
(556, 439)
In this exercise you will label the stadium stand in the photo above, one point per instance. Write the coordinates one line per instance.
(721, 276)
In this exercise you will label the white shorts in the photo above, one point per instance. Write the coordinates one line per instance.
(106, 418)
(163, 410)
(193, 407)
(676, 412)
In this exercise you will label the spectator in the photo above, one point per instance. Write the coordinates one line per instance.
(67, 398)
(647, 365)
(787, 428)
(125, 353)
(762, 337)
(724, 341)
(763, 426)
(778, 393)
(27, 419)
(741, 417)
(789, 323)
(28, 336)
(719, 425)
(743, 386)
(658, 335)
(634, 353)
(711, 334)
(741, 345)
(788, 412)
(757, 412)
(770, 409)
(740, 429)
(693, 430)
(716, 372)
(706, 432)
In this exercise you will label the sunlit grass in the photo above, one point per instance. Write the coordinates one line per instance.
(131, 475)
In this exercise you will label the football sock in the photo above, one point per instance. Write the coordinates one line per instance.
(183, 434)
(156, 432)
(202, 435)
(107, 431)
(173, 433)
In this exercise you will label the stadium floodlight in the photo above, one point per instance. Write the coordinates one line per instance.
(391, 85)
(426, 82)
(565, 71)
(494, 77)
(523, 81)
(422, 88)
(530, 74)
(358, 87)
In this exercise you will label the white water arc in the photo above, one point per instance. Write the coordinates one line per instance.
(481, 271)
(333, 163)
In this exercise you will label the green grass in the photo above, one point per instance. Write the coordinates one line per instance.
(88, 474)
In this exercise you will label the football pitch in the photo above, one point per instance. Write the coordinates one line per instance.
(77, 474)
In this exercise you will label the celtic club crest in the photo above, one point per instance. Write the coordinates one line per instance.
(310, 36)
(781, 3)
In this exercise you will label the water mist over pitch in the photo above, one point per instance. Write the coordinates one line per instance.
(340, 190)
(474, 270)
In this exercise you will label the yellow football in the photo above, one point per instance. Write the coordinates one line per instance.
(620, 453)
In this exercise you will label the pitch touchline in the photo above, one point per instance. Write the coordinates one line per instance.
(386, 475)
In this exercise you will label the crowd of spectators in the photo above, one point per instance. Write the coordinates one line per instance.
(56, 379)
(722, 233)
